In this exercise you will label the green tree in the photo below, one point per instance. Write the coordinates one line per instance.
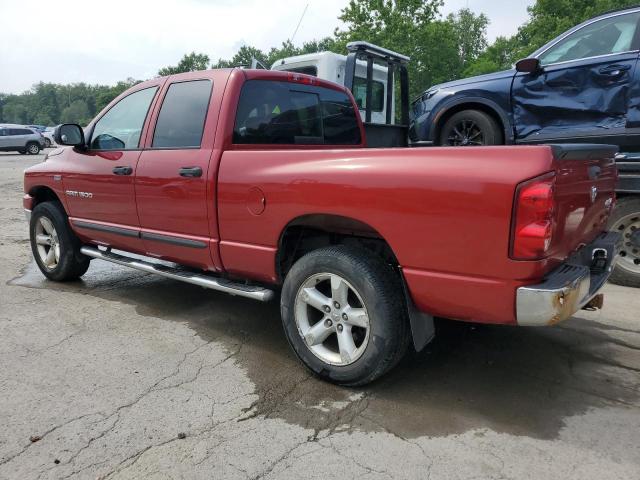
(439, 48)
(470, 33)
(190, 62)
(77, 112)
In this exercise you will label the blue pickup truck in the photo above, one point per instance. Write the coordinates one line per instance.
(581, 87)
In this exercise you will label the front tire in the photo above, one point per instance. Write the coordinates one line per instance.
(47, 143)
(625, 220)
(471, 128)
(344, 315)
(55, 247)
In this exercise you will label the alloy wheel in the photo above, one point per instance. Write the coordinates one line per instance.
(465, 133)
(47, 243)
(332, 319)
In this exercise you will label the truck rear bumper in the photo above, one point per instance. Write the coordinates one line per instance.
(569, 287)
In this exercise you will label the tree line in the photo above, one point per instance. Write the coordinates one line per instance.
(441, 48)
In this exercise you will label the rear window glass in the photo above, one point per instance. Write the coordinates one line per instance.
(360, 94)
(181, 119)
(271, 112)
(309, 70)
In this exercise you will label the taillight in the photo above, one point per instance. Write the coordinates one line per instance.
(532, 227)
(304, 79)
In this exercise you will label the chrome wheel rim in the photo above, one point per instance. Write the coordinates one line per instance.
(629, 227)
(332, 319)
(465, 133)
(47, 243)
(33, 149)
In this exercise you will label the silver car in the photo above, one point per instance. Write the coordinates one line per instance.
(18, 138)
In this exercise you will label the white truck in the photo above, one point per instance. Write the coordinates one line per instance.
(334, 67)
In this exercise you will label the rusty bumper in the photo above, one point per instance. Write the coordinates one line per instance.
(571, 286)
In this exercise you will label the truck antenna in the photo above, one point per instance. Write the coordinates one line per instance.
(299, 22)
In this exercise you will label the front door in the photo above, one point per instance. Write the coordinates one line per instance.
(582, 92)
(100, 191)
(172, 177)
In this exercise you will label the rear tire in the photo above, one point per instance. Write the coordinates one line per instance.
(55, 247)
(347, 338)
(47, 143)
(471, 128)
(33, 148)
(625, 220)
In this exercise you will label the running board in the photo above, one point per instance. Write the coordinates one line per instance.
(203, 280)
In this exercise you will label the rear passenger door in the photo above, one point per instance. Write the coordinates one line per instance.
(172, 179)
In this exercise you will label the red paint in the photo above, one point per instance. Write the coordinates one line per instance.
(445, 212)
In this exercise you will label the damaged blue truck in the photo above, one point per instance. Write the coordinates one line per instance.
(582, 87)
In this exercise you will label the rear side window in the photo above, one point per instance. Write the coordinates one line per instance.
(285, 113)
(181, 120)
(20, 131)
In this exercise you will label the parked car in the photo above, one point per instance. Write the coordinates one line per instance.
(583, 86)
(39, 128)
(17, 138)
(254, 181)
(48, 137)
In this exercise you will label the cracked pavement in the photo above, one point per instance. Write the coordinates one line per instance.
(126, 375)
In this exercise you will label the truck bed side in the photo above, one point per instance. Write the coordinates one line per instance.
(445, 213)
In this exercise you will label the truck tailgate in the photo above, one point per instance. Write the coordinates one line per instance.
(584, 192)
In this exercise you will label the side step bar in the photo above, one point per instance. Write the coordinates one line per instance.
(203, 280)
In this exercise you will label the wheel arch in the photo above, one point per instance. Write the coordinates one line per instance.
(309, 232)
(42, 193)
(313, 231)
(482, 104)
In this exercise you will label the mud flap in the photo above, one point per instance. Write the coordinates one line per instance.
(422, 327)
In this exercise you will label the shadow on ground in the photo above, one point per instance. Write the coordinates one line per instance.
(523, 381)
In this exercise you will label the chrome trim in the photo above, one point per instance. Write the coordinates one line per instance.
(207, 281)
(569, 287)
(586, 24)
(27, 214)
(588, 58)
(537, 305)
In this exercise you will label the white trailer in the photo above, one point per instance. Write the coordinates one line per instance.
(331, 66)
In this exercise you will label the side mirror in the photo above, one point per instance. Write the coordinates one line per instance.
(69, 134)
(528, 65)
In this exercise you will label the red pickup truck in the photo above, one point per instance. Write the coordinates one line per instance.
(253, 181)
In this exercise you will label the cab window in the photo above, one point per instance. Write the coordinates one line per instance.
(604, 37)
(120, 128)
(272, 112)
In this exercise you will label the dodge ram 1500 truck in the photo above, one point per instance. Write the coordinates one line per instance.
(251, 182)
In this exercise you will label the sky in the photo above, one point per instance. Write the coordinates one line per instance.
(106, 41)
